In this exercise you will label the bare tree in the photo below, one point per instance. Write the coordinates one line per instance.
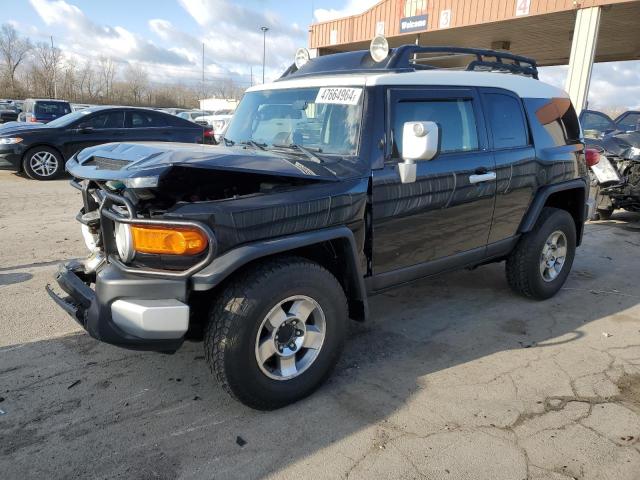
(13, 50)
(48, 61)
(107, 70)
(137, 82)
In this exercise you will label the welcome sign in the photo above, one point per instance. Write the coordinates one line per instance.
(413, 24)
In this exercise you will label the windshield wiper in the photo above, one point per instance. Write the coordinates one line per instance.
(306, 150)
(247, 143)
(254, 144)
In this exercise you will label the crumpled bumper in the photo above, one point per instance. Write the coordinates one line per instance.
(130, 311)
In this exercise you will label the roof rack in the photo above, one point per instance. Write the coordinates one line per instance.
(438, 57)
(410, 58)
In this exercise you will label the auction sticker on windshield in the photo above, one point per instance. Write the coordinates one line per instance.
(339, 95)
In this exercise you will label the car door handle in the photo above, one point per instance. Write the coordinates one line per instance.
(485, 177)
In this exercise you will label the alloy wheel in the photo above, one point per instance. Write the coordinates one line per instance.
(553, 256)
(44, 163)
(290, 337)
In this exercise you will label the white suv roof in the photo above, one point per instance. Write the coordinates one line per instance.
(522, 86)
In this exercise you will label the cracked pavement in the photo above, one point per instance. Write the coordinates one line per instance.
(454, 378)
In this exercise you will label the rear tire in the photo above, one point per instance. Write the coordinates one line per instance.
(540, 263)
(264, 366)
(42, 163)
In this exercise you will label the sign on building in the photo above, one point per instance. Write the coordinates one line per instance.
(415, 16)
(522, 7)
(380, 28)
(413, 24)
(333, 37)
(445, 18)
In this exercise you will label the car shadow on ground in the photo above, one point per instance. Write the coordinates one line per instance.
(75, 407)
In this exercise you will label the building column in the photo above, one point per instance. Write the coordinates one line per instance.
(583, 49)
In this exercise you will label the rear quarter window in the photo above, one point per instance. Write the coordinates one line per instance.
(559, 119)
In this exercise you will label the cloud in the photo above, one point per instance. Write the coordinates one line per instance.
(102, 39)
(614, 85)
(352, 7)
(232, 34)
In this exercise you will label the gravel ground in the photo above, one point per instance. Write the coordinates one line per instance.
(453, 378)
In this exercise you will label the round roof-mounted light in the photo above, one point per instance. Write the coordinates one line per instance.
(302, 57)
(379, 48)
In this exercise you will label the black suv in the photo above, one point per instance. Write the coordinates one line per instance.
(344, 178)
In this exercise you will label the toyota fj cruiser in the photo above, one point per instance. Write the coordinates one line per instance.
(351, 174)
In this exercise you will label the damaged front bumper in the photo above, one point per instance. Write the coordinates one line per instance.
(129, 311)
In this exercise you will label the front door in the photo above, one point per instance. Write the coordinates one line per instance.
(446, 215)
(96, 129)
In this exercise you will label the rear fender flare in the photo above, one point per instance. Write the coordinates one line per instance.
(543, 194)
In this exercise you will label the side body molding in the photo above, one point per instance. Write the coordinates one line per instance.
(223, 266)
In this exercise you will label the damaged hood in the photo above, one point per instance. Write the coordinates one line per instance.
(121, 161)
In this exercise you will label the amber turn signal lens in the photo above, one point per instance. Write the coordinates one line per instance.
(168, 241)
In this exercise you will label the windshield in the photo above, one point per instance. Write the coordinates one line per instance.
(326, 120)
(67, 119)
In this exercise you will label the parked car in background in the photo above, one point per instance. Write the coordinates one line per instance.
(173, 111)
(8, 111)
(76, 107)
(194, 114)
(40, 150)
(43, 111)
(629, 121)
(218, 121)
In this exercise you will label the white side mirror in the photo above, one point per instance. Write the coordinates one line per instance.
(420, 141)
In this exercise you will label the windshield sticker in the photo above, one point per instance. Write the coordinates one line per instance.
(339, 95)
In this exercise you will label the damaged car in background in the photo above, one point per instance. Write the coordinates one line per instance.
(616, 176)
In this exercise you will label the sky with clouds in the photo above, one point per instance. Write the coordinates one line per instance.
(166, 37)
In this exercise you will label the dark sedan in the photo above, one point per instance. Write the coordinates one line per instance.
(41, 150)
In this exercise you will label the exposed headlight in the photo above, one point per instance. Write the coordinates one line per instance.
(90, 239)
(124, 242)
(141, 182)
(10, 140)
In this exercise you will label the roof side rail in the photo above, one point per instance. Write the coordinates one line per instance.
(417, 57)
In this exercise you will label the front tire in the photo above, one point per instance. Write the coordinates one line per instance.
(540, 263)
(42, 163)
(276, 332)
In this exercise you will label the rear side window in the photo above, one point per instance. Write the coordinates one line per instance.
(147, 120)
(456, 119)
(52, 108)
(506, 121)
(105, 120)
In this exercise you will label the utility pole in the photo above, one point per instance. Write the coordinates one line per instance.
(201, 103)
(264, 48)
(53, 72)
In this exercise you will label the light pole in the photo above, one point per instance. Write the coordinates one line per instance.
(264, 48)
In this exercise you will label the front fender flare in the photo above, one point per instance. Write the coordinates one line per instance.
(229, 262)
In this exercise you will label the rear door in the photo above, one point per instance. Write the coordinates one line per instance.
(447, 212)
(515, 157)
(145, 125)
